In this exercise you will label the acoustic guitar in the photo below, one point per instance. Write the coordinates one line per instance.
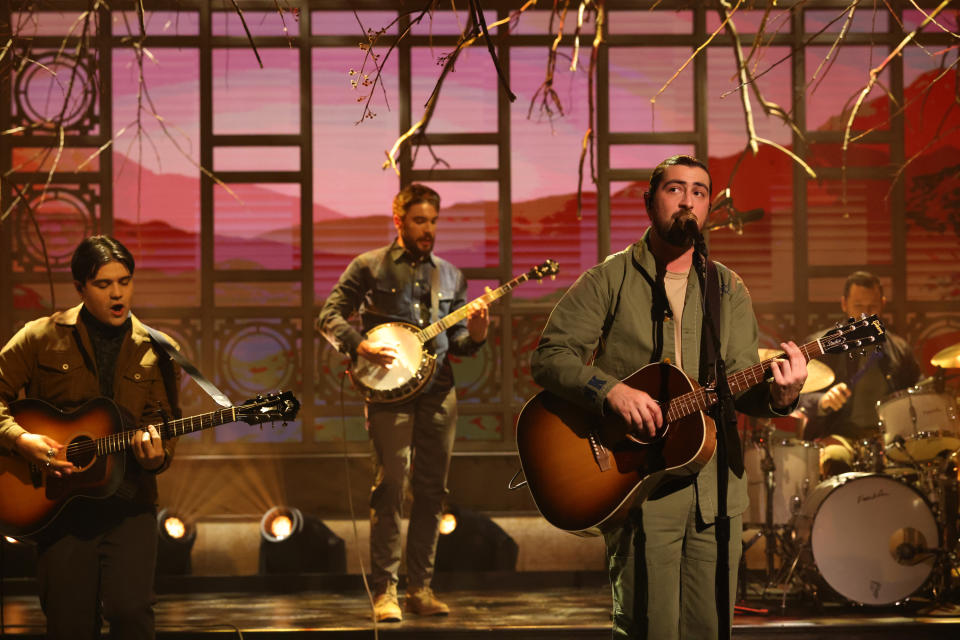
(584, 473)
(415, 365)
(95, 442)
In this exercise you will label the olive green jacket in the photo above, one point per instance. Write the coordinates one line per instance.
(52, 359)
(617, 296)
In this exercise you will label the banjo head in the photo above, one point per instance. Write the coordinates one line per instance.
(408, 373)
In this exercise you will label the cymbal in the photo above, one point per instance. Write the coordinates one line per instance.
(819, 375)
(948, 358)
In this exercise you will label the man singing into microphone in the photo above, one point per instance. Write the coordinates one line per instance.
(640, 306)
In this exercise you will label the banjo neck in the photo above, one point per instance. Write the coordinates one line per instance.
(441, 325)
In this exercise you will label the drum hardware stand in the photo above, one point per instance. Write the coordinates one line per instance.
(948, 501)
(775, 540)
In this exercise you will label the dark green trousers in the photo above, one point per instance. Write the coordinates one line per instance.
(672, 597)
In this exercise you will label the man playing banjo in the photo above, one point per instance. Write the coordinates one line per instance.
(404, 282)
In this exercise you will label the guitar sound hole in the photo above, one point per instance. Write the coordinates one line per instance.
(81, 452)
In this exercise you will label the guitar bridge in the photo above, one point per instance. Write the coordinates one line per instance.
(601, 454)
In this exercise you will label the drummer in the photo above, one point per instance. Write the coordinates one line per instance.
(846, 412)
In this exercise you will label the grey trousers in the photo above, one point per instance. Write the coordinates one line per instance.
(412, 441)
(676, 588)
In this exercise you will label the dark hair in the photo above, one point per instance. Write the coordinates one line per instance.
(412, 194)
(863, 279)
(96, 251)
(672, 161)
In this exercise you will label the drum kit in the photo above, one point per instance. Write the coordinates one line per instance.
(881, 534)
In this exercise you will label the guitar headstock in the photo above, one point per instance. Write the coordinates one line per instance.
(274, 407)
(546, 268)
(856, 334)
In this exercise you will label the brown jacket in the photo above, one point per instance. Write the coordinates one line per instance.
(52, 359)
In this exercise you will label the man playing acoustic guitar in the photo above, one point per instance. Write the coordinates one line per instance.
(640, 306)
(405, 282)
(97, 557)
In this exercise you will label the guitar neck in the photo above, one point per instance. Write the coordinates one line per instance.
(438, 327)
(700, 398)
(120, 441)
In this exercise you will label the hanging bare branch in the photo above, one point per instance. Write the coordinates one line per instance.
(874, 76)
(589, 138)
(246, 30)
(472, 32)
(545, 92)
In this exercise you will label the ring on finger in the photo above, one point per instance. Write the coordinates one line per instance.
(51, 453)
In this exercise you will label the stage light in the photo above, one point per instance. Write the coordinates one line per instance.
(291, 542)
(174, 543)
(474, 543)
(448, 522)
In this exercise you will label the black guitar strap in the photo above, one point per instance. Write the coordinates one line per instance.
(158, 338)
(709, 357)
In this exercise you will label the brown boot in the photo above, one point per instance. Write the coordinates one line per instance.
(386, 608)
(422, 602)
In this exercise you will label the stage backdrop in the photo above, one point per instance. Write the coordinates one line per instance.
(242, 161)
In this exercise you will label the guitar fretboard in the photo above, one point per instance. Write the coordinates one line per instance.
(438, 327)
(701, 398)
(116, 442)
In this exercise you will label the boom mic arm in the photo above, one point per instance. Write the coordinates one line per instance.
(735, 218)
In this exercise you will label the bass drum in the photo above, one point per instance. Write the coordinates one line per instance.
(872, 537)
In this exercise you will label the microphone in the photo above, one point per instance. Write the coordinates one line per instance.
(911, 554)
(690, 227)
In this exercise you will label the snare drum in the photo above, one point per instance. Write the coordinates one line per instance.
(872, 537)
(796, 472)
(926, 421)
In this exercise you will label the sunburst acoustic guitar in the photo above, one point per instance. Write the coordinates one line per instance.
(584, 473)
(96, 440)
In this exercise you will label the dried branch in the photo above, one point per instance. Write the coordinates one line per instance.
(545, 91)
(836, 43)
(702, 46)
(589, 138)
(482, 25)
(770, 108)
(724, 12)
(419, 128)
(873, 78)
(374, 58)
(246, 29)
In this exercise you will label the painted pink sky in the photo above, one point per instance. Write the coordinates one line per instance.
(347, 157)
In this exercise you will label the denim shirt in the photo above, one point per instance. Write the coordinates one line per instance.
(389, 285)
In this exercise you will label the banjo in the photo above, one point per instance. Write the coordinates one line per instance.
(414, 365)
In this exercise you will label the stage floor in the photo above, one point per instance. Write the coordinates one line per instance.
(579, 612)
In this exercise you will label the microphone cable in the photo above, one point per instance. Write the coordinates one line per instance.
(353, 515)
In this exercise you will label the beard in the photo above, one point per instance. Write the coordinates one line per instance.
(676, 231)
(412, 244)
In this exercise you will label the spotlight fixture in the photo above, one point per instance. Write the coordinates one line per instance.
(174, 544)
(291, 542)
(448, 522)
(474, 542)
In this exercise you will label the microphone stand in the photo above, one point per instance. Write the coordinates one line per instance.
(724, 414)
